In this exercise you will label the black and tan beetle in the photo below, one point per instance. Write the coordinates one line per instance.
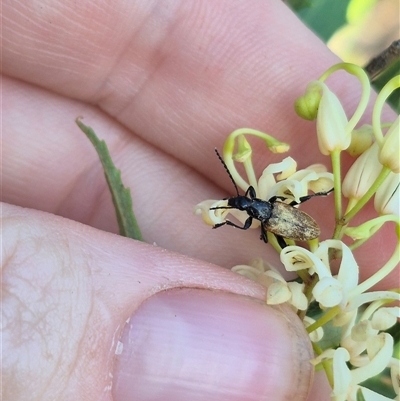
(279, 218)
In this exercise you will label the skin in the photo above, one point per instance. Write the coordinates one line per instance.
(162, 84)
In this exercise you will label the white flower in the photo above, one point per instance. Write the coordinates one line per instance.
(290, 183)
(384, 318)
(329, 291)
(342, 290)
(278, 290)
(347, 382)
(252, 270)
(357, 337)
(292, 292)
(203, 209)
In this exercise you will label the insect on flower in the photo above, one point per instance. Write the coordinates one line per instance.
(282, 219)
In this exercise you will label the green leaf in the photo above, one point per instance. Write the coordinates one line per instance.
(121, 196)
(360, 396)
(324, 17)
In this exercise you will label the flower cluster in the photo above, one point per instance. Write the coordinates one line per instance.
(361, 316)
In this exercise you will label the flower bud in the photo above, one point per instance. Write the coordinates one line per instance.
(362, 174)
(361, 140)
(331, 124)
(306, 106)
(387, 196)
(389, 155)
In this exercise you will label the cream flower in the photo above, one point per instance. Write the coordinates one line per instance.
(203, 209)
(347, 382)
(384, 318)
(252, 270)
(357, 336)
(329, 291)
(278, 290)
(342, 290)
(291, 292)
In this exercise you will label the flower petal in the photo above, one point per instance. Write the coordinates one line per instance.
(296, 258)
(385, 318)
(328, 292)
(298, 300)
(267, 180)
(379, 361)
(278, 293)
(341, 375)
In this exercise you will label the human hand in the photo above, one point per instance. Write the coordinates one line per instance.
(162, 84)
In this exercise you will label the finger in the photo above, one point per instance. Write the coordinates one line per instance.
(321, 389)
(50, 165)
(59, 172)
(67, 295)
(181, 76)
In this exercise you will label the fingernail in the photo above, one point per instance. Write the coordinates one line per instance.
(190, 344)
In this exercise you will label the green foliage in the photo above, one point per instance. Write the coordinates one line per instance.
(121, 196)
(324, 17)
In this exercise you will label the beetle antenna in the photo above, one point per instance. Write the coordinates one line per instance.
(227, 170)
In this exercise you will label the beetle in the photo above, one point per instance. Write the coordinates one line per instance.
(280, 218)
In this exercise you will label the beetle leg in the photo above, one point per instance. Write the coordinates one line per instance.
(303, 199)
(246, 225)
(251, 192)
(263, 235)
(274, 198)
(282, 243)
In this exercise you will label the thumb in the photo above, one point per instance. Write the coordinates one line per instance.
(189, 344)
(93, 316)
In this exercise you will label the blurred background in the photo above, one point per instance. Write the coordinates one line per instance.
(358, 31)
